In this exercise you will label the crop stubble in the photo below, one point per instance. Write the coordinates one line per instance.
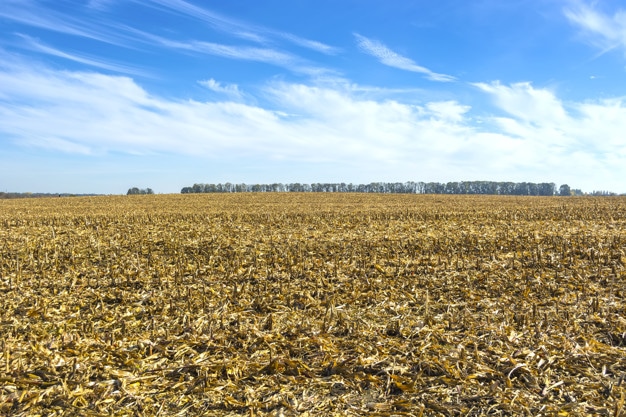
(313, 304)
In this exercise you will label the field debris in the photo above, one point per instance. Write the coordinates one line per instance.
(313, 305)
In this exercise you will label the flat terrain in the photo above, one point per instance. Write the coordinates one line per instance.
(313, 304)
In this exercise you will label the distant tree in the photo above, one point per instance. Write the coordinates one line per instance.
(410, 187)
(138, 191)
(547, 189)
(603, 193)
(452, 188)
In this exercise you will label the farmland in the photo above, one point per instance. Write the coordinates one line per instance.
(313, 304)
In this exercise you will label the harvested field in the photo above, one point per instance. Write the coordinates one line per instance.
(313, 305)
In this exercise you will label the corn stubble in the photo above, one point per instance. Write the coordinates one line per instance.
(313, 304)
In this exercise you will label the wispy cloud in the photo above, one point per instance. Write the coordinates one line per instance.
(310, 44)
(524, 102)
(231, 90)
(100, 4)
(564, 131)
(269, 56)
(240, 29)
(531, 130)
(215, 20)
(34, 14)
(37, 46)
(241, 52)
(603, 30)
(99, 113)
(390, 58)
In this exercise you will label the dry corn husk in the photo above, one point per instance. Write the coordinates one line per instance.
(313, 304)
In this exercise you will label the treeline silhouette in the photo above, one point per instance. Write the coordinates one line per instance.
(139, 191)
(10, 195)
(410, 187)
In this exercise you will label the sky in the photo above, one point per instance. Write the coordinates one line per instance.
(98, 96)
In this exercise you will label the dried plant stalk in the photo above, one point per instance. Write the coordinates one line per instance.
(313, 304)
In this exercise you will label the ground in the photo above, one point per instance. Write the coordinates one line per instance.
(313, 304)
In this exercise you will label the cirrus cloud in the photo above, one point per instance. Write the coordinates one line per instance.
(392, 59)
(601, 29)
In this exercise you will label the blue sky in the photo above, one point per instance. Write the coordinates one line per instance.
(103, 95)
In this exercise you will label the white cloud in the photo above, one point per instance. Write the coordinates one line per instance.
(240, 52)
(337, 128)
(602, 123)
(57, 144)
(310, 44)
(527, 103)
(33, 14)
(35, 45)
(450, 111)
(390, 58)
(107, 113)
(99, 4)
(241, 29)
(603, 30)
(536, 116)
(228, 89)
(266, 55)
(580, 140)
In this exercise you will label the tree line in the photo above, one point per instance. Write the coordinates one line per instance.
(10, 195)
(139, 191)
(410, 187)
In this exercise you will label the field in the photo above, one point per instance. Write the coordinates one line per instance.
(313, 305)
